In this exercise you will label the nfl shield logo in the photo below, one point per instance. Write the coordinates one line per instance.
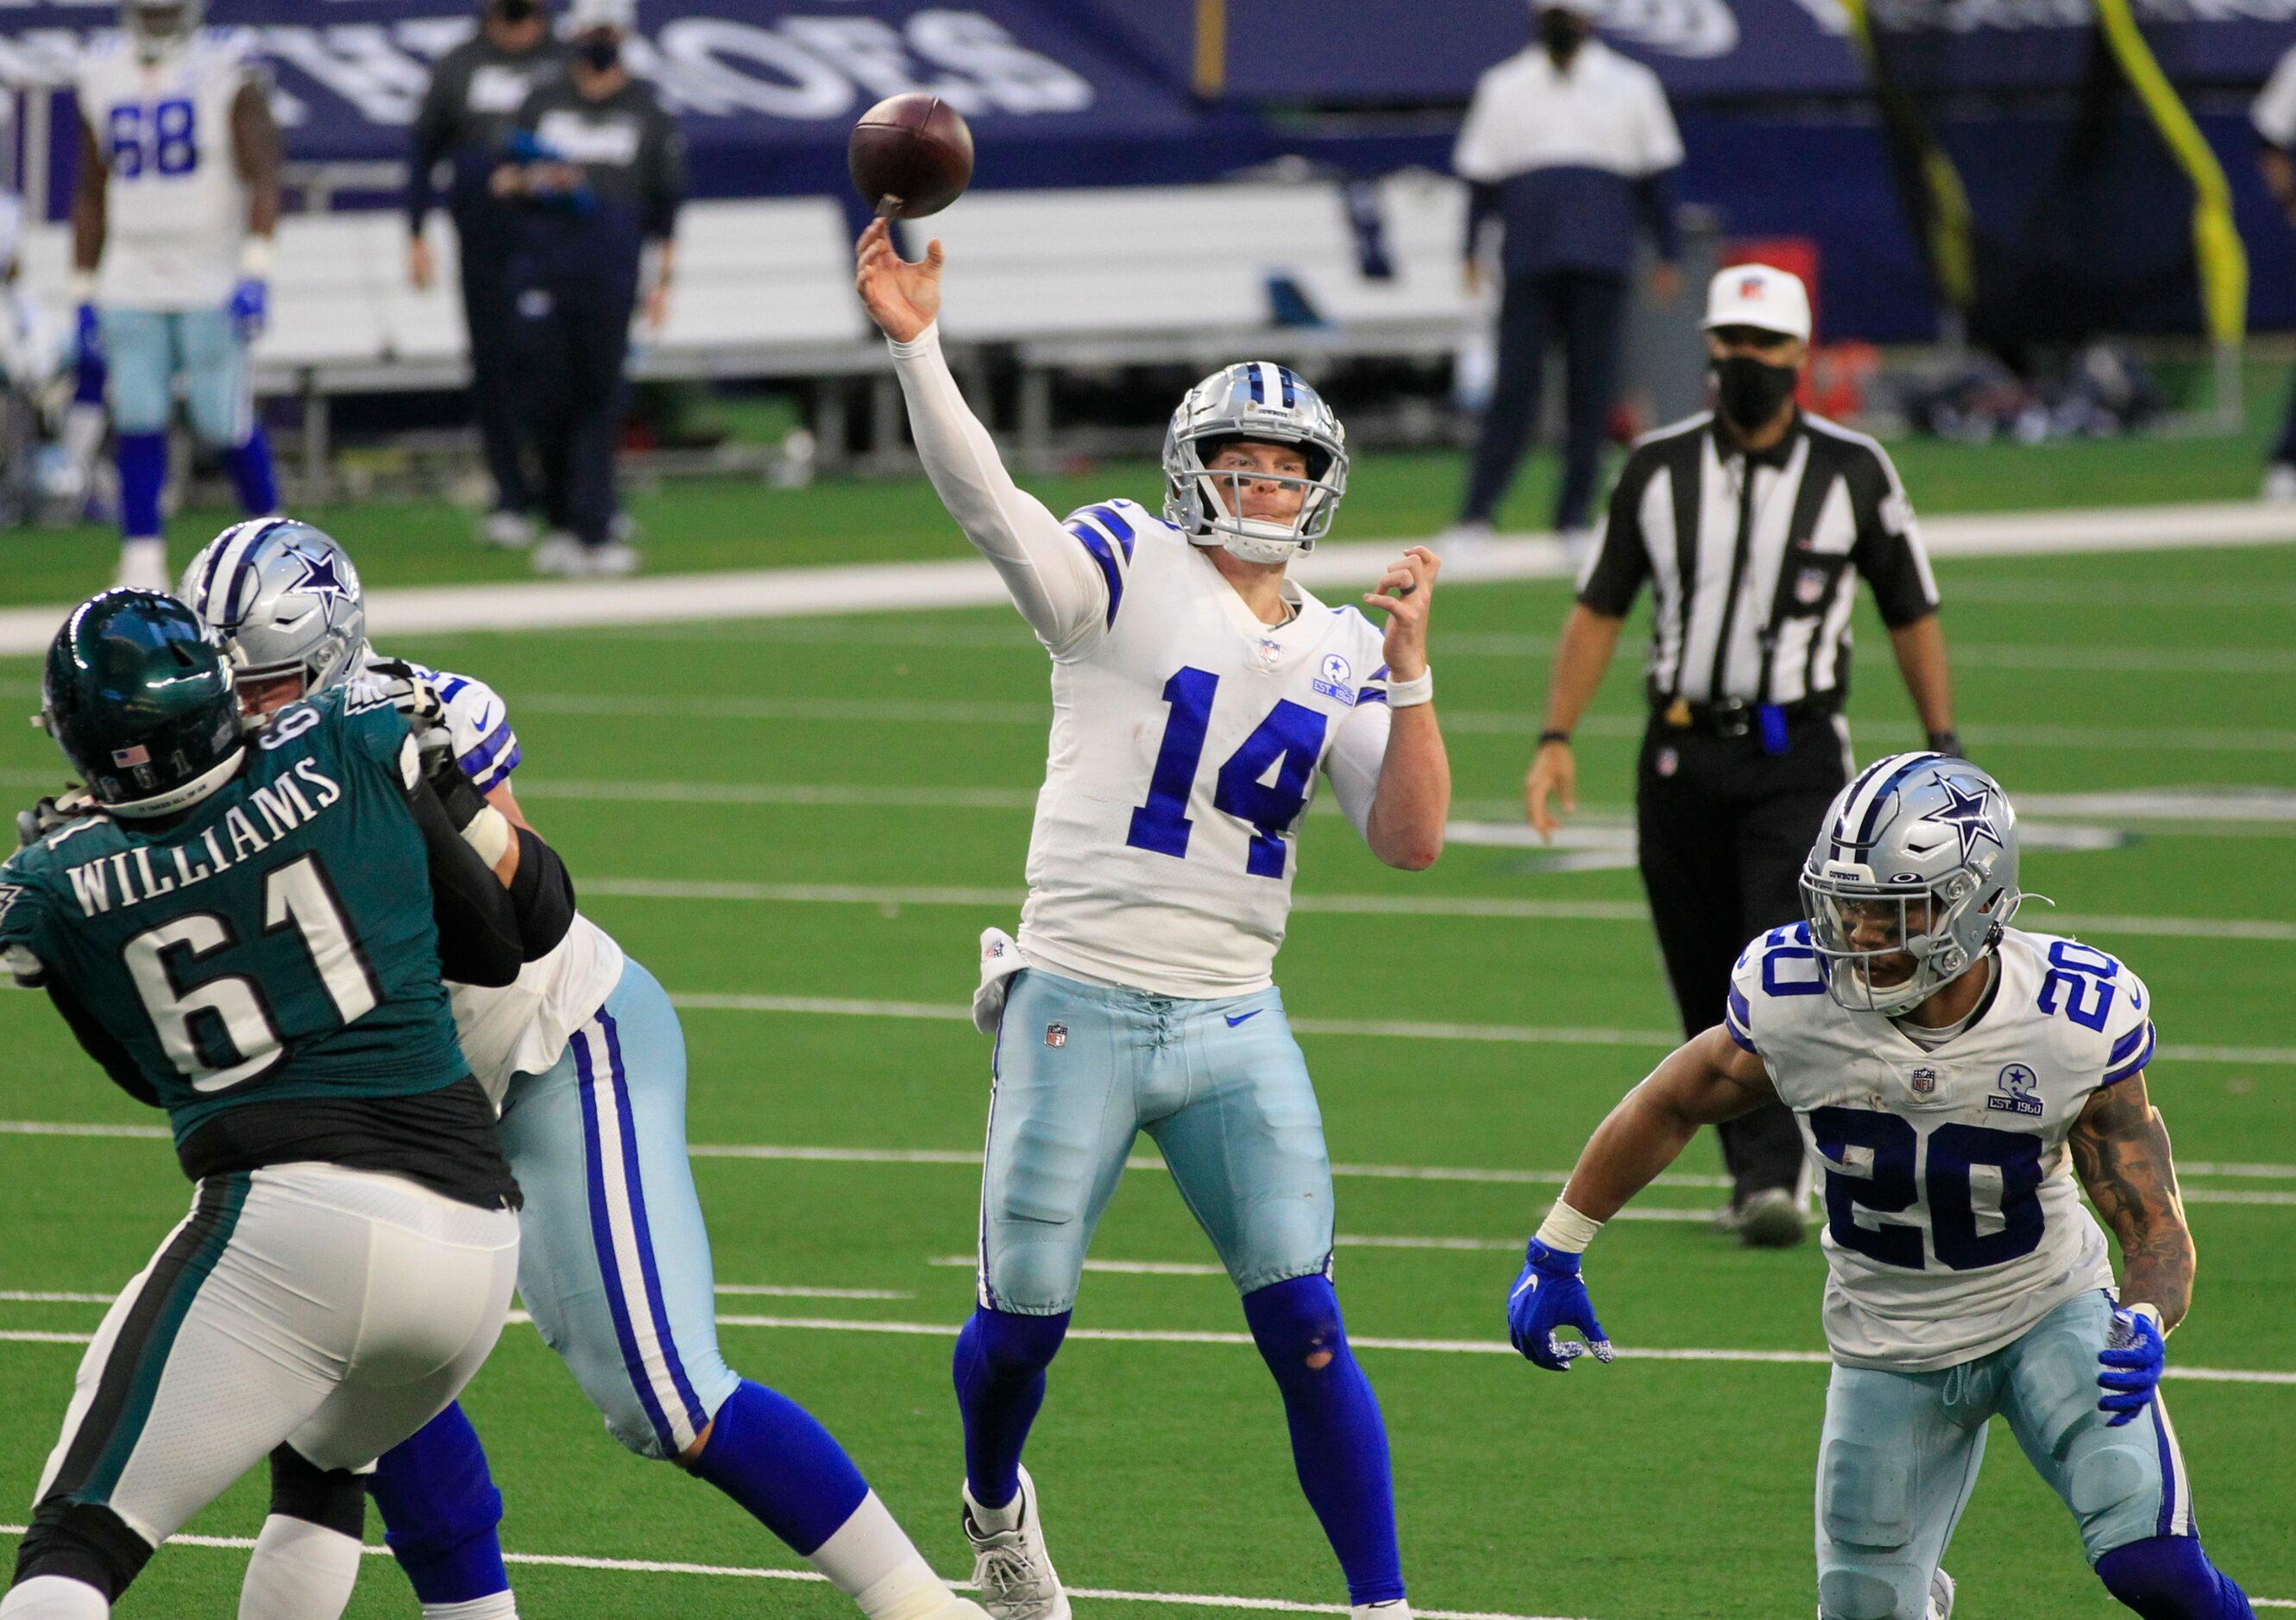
(1810, 585)
(135, 754)
(1924, 1080)
(1056, 1034)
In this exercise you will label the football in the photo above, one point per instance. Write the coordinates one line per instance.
(910, 155)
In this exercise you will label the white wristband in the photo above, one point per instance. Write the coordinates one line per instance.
(1565, 1228)
(489, 832)
(256, 259)
(1411, 693)
(83, 286)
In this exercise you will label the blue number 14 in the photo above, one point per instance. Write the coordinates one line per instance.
(1289, 742)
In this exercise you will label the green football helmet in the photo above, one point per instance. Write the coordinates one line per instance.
(141, 698)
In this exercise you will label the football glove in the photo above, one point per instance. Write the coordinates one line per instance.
(1549, 1295)
(51, 813)
(2133, 1358)
(250, 309)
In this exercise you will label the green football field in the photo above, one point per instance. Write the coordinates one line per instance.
(802, 825)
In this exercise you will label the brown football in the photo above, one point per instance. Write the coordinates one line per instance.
(910, 155)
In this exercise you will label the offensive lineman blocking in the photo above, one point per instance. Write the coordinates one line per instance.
(1197, 690)
(1958, 1083)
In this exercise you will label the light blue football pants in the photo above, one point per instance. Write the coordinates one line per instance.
(613, 1258)
(146, 348)
(1901, 1451)
(1080, 1070)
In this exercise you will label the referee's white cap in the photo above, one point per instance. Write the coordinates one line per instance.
(1759, 295)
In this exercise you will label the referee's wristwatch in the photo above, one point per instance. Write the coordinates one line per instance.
(1552, 736)
(1948, 741)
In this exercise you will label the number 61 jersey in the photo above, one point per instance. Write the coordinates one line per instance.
(1953, 1221)
(1187, 739)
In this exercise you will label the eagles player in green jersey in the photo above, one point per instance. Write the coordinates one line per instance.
(248, 930)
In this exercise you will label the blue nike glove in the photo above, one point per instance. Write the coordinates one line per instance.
(2133, 1361)
(250, 309)
(1549, 1295)
(87, 330)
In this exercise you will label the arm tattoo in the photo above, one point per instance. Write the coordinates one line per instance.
(2121, 1152)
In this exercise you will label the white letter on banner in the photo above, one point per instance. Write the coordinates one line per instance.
(703, 45)
(358, 63)
(1012, 76)
(874, 56)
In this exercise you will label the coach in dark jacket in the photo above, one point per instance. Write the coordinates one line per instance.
(1752, 524)
(597, 168)
(476, 90)
(1567, 146)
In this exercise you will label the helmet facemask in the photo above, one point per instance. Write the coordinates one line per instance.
(1888, 949)
(1256, 401)
(157, 27)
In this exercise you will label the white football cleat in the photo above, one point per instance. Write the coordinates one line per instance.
(1940, 1605)
(512, 530)
(143, 567)
(2279, 485)
(1771, 1218)
(561, 554)
(615, 559)
(1010, 1565)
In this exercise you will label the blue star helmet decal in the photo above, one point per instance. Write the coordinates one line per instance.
(1967, 815)
(319, 575)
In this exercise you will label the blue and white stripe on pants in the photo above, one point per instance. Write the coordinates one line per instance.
(614, 1263)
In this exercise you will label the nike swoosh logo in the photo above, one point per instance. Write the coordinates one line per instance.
(1240, 1017)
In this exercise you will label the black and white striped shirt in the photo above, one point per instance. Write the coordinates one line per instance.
(1752, 573)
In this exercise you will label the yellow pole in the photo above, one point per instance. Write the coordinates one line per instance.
(2216, 250)
(1951, 230)
(1211, 48)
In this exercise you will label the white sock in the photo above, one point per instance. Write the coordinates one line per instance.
(872, 1560)
(496, 1606)
(54, 1598)
(298, 1571)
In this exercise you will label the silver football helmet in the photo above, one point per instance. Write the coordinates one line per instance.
(285, 600)
(1912, 881)
(1269, 404)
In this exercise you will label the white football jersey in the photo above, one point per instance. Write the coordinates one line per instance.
(1186, 741)
(176, 209)
(1954, 1221)
(520, 1027)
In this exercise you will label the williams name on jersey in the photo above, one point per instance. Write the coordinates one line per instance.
(1954, 1221)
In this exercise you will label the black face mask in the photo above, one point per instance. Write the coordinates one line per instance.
(1562, 32)
(600, 53)
(1750, 392)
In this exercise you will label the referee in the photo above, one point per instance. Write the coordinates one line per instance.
(1747, 521)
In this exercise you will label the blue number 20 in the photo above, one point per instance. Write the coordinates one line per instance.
(1289, 741)
(1889, 1188)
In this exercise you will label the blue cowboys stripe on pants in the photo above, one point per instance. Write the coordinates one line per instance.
(1901, 1452)
(614, 1263)
(1081, 1069)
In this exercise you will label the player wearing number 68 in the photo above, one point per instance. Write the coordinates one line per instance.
(1959, 1083)
(1198, 695)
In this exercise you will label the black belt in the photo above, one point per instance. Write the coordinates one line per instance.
(1735, 717)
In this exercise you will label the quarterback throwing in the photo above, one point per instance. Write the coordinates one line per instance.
(1959, 1083)
(1198, 691)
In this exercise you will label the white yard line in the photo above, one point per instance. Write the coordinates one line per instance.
(665, 1566)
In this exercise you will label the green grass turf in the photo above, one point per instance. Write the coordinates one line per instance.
(710, 524)
(1644, 1491)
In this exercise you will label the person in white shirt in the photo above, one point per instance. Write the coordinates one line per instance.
(1566, 146)
(1197, 692)
(173, 207)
